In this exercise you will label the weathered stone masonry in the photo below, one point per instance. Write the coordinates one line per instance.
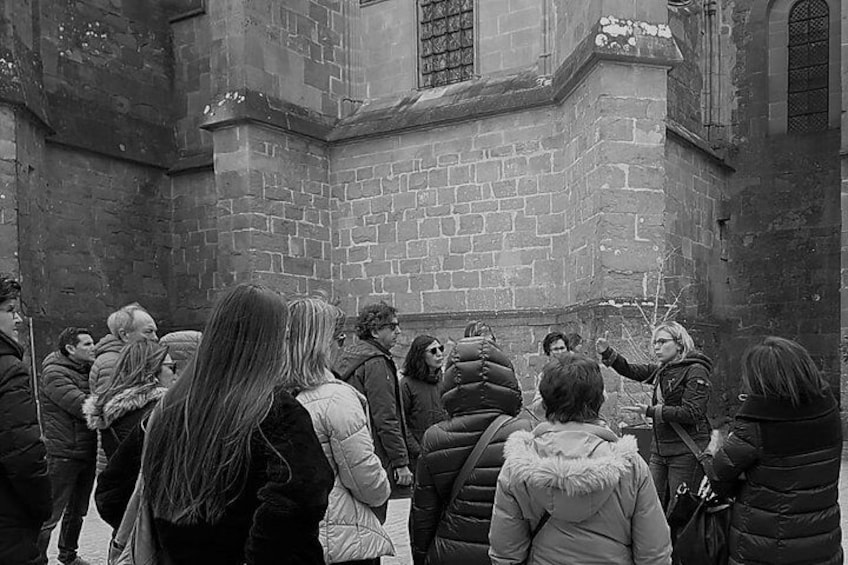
(161, 154)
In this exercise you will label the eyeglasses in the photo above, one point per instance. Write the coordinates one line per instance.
(662, 341)
(393, 325)
(439, 348)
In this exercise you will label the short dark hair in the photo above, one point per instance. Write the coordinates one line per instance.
(572, 389)
(70, 336)
(10, 288)
(476, 328)
(573, 340)
(551, 339)
(374, 317)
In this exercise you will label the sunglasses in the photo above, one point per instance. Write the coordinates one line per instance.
(439, 348)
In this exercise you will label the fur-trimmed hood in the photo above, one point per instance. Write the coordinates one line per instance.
(569, 469)
(100, 416)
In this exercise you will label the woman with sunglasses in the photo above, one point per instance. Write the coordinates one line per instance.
(419, 388)
(681, 381)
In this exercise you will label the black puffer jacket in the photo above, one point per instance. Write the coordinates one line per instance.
(479, 385)
(422, 406)
(787, 508)
(25, 499)
(685, 391)
(64, 387)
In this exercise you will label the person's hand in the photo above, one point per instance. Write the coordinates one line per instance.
(602, 343)
(403, 476)
(716, 441)
(637, 409)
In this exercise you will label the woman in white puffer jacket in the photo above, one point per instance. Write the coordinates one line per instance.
(350, 531)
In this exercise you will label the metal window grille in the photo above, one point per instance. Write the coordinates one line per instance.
(446, 34)
(809, 21)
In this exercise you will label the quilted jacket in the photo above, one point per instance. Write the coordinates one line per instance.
(64, 387)
(685, 388)
(25, 498)
(597, 490)
(350, 531)
(787, 509)
(106, 354)
(479, 385)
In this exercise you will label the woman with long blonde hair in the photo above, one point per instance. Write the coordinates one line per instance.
(232, 468)
(350, 531)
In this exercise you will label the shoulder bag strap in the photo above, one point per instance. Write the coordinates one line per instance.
(475, 455)
(684, 435)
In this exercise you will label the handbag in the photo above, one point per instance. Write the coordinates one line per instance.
(704, 539)
(140, 546)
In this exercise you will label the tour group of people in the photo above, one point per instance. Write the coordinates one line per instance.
(269, 439)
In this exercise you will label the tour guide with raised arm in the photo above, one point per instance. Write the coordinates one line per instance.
(681, 381)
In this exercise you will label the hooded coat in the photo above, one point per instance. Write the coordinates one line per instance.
(371, 370)
(685, 389)
(597, 490)
(350, 530)
(122, 413)
(64, 388)
(25, 495)
(422, 407)
(787, 508)
(479, 385)
(106, 354)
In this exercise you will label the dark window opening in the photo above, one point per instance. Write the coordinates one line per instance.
(809, 22)
(446, 31)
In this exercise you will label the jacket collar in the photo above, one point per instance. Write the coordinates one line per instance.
(9, 346)
(778, 410)
(101, 415)
(576, 458)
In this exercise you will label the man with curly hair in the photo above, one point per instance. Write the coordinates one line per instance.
(369, 367)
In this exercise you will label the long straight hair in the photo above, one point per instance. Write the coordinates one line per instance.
(311, 328)
(138, 364)
(782, 368)
(198, 446)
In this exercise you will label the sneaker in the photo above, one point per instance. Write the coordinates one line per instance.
(77, 561)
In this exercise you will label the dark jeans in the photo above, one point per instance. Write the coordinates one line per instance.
(72, 481)
(669, 472)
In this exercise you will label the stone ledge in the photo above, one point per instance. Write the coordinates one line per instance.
(610, 39)
(248, 106)
(691, 138)
(191, 164)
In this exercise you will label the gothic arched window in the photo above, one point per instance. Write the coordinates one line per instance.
(808, 66)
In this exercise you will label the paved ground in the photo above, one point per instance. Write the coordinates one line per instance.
(95, 535)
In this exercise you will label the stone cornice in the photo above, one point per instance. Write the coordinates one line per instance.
(609, 40)
(248, 106)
